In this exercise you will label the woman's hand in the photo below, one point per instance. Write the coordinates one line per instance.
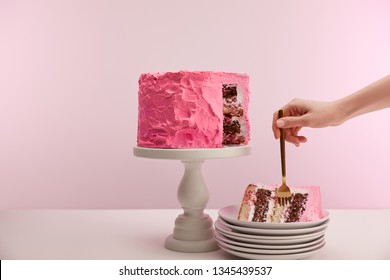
(305, 113)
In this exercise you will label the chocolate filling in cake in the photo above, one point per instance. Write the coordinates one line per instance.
(229, 92)
(261, 208)
(233, 112)
(231, 126)
(297, 207)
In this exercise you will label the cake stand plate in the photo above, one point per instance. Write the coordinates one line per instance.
(193, 231)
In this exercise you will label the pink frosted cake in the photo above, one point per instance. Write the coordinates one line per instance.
(193, 109)
(259, 205)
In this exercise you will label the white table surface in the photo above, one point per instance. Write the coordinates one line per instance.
(140, 234)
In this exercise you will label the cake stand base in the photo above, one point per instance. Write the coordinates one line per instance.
(190, 246)
(193, 231)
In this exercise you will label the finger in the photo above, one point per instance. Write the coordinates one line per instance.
(296, 139)
(275, 129)
(290, 122)
(302, 139)
(293, 139)
(295, 132)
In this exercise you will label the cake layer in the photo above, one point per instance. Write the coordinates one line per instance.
(201, 109)
(259, 204)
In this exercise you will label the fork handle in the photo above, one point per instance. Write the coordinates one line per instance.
(282, 149)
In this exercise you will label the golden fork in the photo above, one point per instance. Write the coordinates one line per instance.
(283, 192)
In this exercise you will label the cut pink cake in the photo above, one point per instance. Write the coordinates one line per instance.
(259, 204)
(200, 109)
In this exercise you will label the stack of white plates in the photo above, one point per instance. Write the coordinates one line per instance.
(266, 241)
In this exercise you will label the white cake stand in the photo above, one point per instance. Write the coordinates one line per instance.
(193, 231)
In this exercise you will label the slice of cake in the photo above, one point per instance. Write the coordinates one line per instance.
(259, 204)
(200, 109)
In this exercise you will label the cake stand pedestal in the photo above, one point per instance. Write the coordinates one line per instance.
(193, 231)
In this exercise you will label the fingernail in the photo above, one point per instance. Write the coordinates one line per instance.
(280, 123)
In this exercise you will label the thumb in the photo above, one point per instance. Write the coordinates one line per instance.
(289, 122)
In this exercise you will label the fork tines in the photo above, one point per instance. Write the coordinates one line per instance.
(282, 201)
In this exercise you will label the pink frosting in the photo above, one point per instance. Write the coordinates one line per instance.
(185, 109)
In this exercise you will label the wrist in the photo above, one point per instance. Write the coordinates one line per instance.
(342, 111)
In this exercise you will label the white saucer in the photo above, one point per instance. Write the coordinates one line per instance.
(225, 239)
(271, 251)
(230, 214)
(272, 257)
(290, 239)
(273, 232)
(283, 242)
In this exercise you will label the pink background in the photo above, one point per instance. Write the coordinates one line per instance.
(68, 97)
